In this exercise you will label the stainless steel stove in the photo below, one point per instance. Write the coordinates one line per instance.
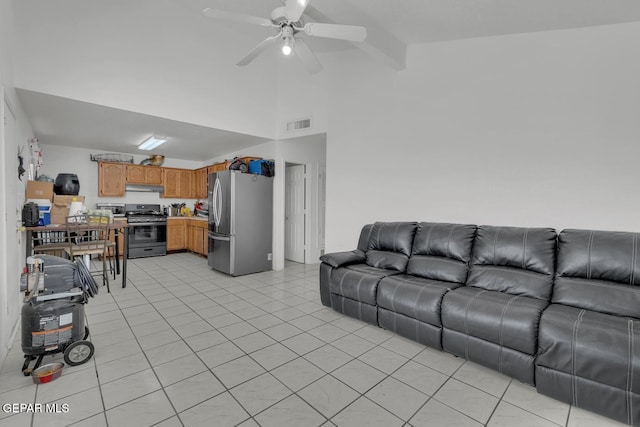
(147, 230)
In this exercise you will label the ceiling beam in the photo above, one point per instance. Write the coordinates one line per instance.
(380, 43)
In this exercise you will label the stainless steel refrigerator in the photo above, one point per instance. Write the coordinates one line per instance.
(240, 222)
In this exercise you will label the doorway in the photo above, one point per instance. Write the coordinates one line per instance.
(295, 214)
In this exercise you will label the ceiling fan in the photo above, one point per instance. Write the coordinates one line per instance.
(289, 23)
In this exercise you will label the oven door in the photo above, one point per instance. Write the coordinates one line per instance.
(147, 239)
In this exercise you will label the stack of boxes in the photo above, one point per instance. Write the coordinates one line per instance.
(54, 208)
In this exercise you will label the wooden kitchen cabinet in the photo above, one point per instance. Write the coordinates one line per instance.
(138, 174)
(171, 179)
(197, 235)
(178, 183)
(185, 184)
(176, 234)
(200, 183)
(218, 167)
(111, 179)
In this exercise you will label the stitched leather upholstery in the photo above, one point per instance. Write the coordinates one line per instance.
(508, 288)
(589, 342)
(409, 304)
(340, 259)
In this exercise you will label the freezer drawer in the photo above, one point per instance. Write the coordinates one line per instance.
(219, 257)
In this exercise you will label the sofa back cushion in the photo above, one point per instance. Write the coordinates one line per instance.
(442, 251)
(515, 260)
(365, 236)
(599, 271)
(390, 245)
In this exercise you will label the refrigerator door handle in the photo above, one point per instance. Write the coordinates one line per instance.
(214, 200)
(218, 237)
(218, 203)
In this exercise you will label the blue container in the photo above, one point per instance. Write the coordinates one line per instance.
(44, 215)
(262, 167)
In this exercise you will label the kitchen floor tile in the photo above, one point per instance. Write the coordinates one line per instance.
(297, 374)
(468, 400)
(290, 412)
(526, 397)
(359, 376)
(179, 369)
(259, 393)
(397, 397)
(507, 415)
(436, 414)
(128, 388)
(238, 371)
(221, 411)
(273, 356)
(193, 390)
(144, 411)
(366, 413)
(328, 395)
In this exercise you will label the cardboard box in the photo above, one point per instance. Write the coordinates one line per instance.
(39, 190)
(60, 208)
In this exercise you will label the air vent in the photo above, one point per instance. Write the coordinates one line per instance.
(298, 125)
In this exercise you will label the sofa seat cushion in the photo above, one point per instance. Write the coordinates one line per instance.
(358, 282)
(413, 296)
(591, 345)
(507, 320)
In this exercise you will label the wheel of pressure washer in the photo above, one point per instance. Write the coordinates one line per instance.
(86, 332)
(78, 352)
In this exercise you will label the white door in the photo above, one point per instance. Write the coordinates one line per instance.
(294, 213)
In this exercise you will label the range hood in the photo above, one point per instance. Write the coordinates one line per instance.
(144, 188)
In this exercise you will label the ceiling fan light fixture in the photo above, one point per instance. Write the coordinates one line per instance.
(151, 143)
(287, 45)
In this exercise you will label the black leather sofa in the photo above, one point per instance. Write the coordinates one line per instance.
(557, 312)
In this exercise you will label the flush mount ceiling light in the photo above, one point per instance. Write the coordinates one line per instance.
(151, 143)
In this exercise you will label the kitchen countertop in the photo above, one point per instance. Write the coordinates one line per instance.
(195, 218)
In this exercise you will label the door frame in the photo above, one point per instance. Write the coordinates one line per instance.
(305, 235)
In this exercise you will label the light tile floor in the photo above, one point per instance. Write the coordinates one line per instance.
(183, 345)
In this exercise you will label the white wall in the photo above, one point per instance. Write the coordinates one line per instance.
(137, 56)
(13, 136)
(77, 160)
(535, 129)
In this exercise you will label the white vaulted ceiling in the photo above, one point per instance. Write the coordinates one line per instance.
(162, 66)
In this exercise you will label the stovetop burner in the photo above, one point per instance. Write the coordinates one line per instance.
(144, 213)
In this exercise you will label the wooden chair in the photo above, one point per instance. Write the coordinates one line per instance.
(88, 235)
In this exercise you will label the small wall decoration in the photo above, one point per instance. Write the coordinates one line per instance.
(21, 169)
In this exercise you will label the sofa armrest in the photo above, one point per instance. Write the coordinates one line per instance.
(340, 259)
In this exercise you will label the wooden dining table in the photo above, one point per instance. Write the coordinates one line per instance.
(116, 226)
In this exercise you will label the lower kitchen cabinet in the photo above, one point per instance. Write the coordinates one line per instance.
(189, 234)
(176, 234)
(197, 238)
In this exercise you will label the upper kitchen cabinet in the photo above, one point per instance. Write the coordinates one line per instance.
(178, 183)
(200, 183)
(171, 178)
(111, 179)
(185, 185)
(218, 167)
(137, 174)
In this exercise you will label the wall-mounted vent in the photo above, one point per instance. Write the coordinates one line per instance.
(298, 125)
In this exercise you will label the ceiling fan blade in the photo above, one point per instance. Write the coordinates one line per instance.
(307, 57)
(236, 17)
(294, 9)
(343, 32)
(258, 50)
